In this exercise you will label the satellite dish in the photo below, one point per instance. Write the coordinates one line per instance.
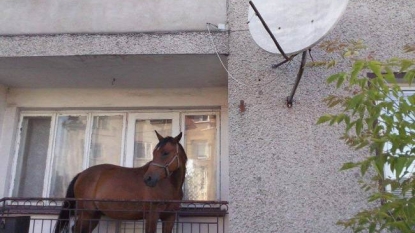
(297, 25)
(289, 27)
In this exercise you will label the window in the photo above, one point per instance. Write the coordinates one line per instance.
(141, 138)
(65, 143)
(200, 136)
(34, 138)
(405, 174)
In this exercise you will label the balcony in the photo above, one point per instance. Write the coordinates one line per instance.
(192, 217)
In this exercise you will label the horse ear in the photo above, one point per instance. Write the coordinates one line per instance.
(178, 137)
(158, 135)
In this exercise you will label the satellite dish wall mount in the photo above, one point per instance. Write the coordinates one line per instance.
(299, 25)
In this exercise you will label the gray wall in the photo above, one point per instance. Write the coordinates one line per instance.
(283, 167)
(108, 16)
(3, 96)
(8, 120)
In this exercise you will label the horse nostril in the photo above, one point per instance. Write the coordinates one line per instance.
(148, 178)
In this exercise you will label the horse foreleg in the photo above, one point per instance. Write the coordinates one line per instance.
(168, 223)
(86, 222)
(151, 222)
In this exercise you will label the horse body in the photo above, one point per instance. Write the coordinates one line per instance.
(142, 187)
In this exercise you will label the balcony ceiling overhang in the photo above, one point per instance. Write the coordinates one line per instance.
(114, 71)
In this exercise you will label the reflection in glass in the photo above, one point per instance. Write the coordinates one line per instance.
(68, 153)
(201, 149)
(31, 164)
(106, 141)
(145, 139)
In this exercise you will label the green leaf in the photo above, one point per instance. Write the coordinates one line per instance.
(324, 119)
(372, 227)
(349, 165)
(400, 225)
(364, 166)
(334, 103)
(390, 76)
(409, 76)
(362, 145)
(347, 54)
(376, 67)
(400, 165)
(331, 63)
(379, 164)
(340, 81)
(357, 67)
(335, 77)
(359, 126)
(405, 64)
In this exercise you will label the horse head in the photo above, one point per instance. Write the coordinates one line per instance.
(166, 159)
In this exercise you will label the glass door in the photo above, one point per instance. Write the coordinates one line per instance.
(141, 138)
(202, 148)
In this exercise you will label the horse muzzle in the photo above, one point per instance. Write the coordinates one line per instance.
(151, 181)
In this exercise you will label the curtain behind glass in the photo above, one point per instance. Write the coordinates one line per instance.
(145, 138)
(201, 148)
(106, 141)
(68, 152)
(31, 164)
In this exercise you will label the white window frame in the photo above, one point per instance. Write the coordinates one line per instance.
(387, 172)
(51, 145)
(133, 117)
(50, 158)
(17, 146)
(89, 133)
(218, 142)
(127, 150)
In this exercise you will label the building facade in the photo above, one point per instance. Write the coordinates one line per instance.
(84, 82)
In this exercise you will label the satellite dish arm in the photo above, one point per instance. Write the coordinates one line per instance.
(290, 99)
(269, 31)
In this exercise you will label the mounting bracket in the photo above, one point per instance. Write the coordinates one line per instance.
(290, 99)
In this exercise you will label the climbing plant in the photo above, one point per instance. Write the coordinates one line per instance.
(378, 121)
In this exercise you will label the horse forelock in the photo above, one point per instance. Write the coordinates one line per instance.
(166, 140)
(163, 142)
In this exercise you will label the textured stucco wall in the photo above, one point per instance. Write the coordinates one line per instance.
(283, 168)
(108, 16)
(98, 44)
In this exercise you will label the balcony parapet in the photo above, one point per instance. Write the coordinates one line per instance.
(110, 44)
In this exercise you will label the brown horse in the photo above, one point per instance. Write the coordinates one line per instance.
(160, 179)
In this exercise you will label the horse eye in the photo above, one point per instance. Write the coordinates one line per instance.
(165, 154)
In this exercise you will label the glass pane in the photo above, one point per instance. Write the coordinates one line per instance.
(68, 153)
(201, 148)
(145, 139)
(409, 169)
(32, 156)
(106, 140)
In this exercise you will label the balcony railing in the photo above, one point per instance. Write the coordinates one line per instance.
(191, 217)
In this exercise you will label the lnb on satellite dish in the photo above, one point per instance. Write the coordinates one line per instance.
(297, 25)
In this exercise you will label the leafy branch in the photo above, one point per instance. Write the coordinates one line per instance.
(378, 117)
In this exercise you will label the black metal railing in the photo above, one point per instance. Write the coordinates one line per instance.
(191, 216)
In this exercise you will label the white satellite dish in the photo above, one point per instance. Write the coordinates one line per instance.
(289, 27)
(297, 25)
